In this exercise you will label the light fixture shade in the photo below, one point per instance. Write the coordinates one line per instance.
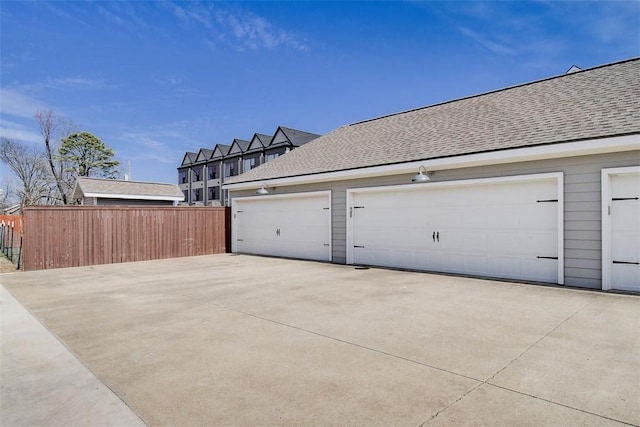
(262, 191)
(421, 177)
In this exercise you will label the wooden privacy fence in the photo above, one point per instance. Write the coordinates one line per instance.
(11, 238)
(72, 236)
(13, 221)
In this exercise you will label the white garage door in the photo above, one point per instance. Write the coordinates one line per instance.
(294, 226)
(624, 212)
(497, 227)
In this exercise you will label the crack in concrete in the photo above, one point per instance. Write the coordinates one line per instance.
(538, 341)
(487, 381)
(480, 382)
(561, 404)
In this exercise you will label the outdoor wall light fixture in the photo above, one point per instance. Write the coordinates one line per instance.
(422, 176)
(262, 190)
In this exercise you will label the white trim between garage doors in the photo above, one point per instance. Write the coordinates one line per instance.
(293, 225)
(552, 202)
(607, 233)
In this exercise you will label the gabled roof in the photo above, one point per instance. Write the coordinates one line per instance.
(220, 151)
(188, 158)
(238, 147)
(589, 104)
(13, 210)
(204, 154)
(118, 189)
(259, 141)
(289, 136)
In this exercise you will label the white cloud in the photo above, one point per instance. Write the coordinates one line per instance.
(169, 80)
(490, 45)
(616, 21)
(152, 146)
(254, 32)
(69, 12)
(247, 30)
(77, 82)
(111, 17)
(13, 130)
(16, 103)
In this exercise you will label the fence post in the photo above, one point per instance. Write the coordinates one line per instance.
(20, 253)
(12, 233)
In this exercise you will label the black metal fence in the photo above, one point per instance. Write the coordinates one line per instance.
(11, 242)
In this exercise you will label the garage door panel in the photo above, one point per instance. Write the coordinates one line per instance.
(297, 226)
(525, 243)
(488, 229)
(625, 231)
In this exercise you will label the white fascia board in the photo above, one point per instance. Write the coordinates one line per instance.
(300, 195)
(560, 150)
(133, 196)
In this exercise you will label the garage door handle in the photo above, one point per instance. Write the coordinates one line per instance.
(626, 262)
(547, 257)
(436, 236)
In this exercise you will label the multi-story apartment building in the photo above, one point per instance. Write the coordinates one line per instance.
(201, 174)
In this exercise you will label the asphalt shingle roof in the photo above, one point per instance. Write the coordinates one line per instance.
(85, 186)
(189, 158)
(242, 144)
(206, 152)
(298, 137)
(594, 103)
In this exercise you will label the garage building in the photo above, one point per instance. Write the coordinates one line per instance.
(538, 182)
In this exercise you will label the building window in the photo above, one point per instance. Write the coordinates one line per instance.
(186, 196)
(197, 174)
(272, 156)
(182, 177)
(213, 193)
(229, 169)
(197, 195)
(212, 171)
(248, 164)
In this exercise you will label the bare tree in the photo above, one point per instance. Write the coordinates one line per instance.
(54, 127)
(5, 193)
(29, 165)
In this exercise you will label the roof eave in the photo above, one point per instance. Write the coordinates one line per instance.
(134, 196)
(609, 144)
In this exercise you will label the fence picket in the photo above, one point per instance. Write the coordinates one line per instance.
(67, 236)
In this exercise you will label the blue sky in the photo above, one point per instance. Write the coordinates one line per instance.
(156, 79)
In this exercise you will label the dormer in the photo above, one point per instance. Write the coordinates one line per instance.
(189, 158)
(219, 152)
(238, 147)
(259, 141)
(203, 155)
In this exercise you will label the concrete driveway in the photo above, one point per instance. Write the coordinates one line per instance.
(243, 340)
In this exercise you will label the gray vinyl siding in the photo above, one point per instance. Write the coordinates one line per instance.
(582, 204)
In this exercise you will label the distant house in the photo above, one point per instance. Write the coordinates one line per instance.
(113, 192)
(13, 210)
(201, 175)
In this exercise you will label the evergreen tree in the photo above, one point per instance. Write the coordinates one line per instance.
(86, 155)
